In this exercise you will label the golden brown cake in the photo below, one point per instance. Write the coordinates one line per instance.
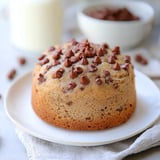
(84, 86)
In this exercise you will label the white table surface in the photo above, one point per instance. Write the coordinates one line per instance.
(10, 146)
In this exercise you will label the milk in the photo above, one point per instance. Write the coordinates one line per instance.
(36, 25)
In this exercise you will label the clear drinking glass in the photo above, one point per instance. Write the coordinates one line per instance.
(36, 24)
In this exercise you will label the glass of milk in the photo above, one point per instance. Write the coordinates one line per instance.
(36, 25)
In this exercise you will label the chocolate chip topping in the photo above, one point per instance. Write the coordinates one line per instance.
(41, 78)
(98, 81)
(43, 62)
(105, 45)
(97, 60)
(100, 52)
(106, 73)
(58, 73)
(111, 59)
(56, 62)
(67, 63)
(116, 50)
(74, 42)
(48, 67)
(51, 49)
(125, 66)
(56, 55)
(42, 57)
(84, 80)
(73, 73)
(69, 54)
(78, 58)
(127, 59)
(79, 70)
(92, 68)
(74, 59)
(71, 85)
(116, 66)
(108, 80)
(84, 61)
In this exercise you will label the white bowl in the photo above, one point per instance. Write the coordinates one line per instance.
(126, 34)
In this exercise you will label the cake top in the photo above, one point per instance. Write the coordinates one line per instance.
(78, 64)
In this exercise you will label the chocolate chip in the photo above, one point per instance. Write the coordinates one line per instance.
(119, 14)
(85, 43)
(114, 54)
(84, 61)
(89, 53)
(73, 73)
(81, 55)
(56, 62)
(141, 59)
(58, 73)
(125, 66)
(22, 60)
(42, 57)
(127, 59)
(106, 73)
(44, 62)
(105, 45)
(75, 49)
(69, 103)
(67, 63)
(79, 70)
(41, 78)
(11, 74)
(115, 85)
(120, 109)
(84, 80)
(51, 49)
(69, 54)
(92, 68)
(56, 55)
(48, 67)
(97, 60)
(144, 62)
(81, 88)
(71, 85)
(61, 70)
(88, 118)
(116, 66)
(98, 81)
(82, 49)
(74, 42)
(111, 59)
(108, 80)
(100, 52)
(116, 50)
(74, 59)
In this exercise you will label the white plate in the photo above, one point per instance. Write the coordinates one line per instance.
(18, 108)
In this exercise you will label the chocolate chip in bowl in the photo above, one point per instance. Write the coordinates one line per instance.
(118, 22)
(112, 14)
(96, 85)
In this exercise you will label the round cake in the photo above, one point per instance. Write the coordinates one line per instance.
(84, 86)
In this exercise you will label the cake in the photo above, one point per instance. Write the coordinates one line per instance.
(84, 86)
